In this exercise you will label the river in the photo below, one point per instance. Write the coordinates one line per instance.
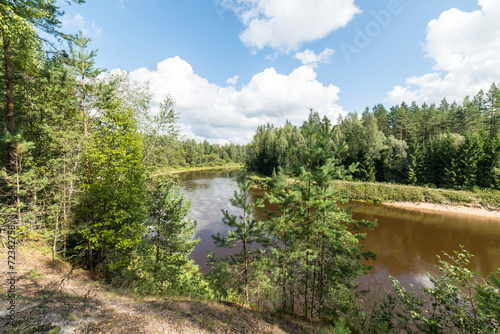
(406, 242)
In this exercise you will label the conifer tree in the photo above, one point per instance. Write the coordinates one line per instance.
(469, 156)
(317, 258)
(282, 225)
(20, 185)
(170, 229)
(246, 231)
(20, 41)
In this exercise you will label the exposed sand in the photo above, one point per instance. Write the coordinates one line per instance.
(463, 210)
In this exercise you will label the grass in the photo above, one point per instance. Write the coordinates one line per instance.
(382, 192)
(378, 192)
(178, 169)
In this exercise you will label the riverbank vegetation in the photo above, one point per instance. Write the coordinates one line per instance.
(80, 154)
(455, 146)
(179, 169)
(382, 192)
(446, 154)
(375, 192)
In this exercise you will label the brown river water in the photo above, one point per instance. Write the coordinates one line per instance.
(406, 241)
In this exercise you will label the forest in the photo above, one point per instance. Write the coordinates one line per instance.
(80, 152)
(447, 146)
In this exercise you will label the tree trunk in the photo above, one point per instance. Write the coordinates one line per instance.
(9, 95)
(18, 169)
(158, 241)
(89, 254)
(85, 131)
(245, 255)
(283, 273)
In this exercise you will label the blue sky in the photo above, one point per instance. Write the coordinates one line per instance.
(231, 65)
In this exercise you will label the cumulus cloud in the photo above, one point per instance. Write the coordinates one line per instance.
(79, 23)
(232, 81)
(308, 57)
(465, 47)
(222, 114)
(286, 24)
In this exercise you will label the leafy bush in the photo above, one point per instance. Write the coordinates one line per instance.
(146, 276)
(454, 303)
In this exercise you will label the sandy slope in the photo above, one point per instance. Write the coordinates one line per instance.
(463, 210)
(52, 298)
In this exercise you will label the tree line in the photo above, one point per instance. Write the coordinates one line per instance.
(449, 146)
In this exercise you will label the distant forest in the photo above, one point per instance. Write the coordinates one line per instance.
(449, 145)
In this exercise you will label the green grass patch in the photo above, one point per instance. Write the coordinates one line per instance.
(383, 192)
(177, 169)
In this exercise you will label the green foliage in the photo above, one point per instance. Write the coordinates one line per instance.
(111, 210)
(315, 257)
(382, 192)
(273, 148)
(488, 296)
(20, 187)
(173, 275)
(245, 230)
(82, 61)
(450, 146)
(169, 230)
(454, 303)
(341, 327)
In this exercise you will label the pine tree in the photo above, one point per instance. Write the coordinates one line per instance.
(470, 156)
(282, 225)
(170, 229)
(21, 41)
(246, 230)
(319, 258)
(493, 109)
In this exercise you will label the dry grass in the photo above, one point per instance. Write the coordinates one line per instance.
(53, 298)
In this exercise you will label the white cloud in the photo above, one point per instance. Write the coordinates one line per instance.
(232, 81)
(465, 47)
(79, 23)
(286, 24)
(272, 57)
(222, 114)
(308, 57)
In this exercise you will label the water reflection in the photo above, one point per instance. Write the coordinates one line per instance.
(406, 242)
(209, 192)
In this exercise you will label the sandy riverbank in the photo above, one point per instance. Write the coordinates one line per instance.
(462, 210)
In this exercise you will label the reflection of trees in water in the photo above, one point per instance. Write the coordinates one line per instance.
(408, 241)
(208, 174)
(192, 186)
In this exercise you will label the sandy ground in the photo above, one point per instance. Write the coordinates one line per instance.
(462, 210)
(52, 298)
